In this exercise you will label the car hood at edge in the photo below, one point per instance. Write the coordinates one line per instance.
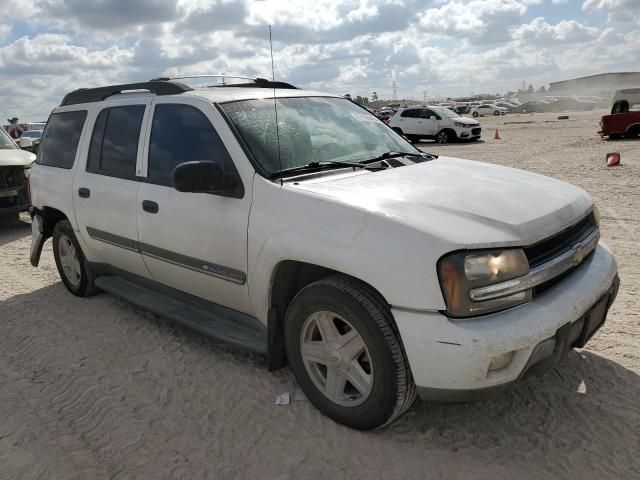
(465, 202)
(16, 158)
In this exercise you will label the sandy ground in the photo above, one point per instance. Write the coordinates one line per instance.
(95, 388)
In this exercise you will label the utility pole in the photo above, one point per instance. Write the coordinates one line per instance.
(394, 85)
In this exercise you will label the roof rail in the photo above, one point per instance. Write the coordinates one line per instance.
(256, 82)
(90, 95)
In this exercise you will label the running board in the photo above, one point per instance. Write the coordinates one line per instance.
(204, 317)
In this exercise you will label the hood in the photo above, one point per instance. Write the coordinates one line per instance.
(466, 203)
(466, 121)
(16, 158)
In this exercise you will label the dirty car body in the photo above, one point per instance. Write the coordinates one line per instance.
(375, 270)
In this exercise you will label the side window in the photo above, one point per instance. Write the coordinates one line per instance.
(411, 113)
(427, 114)
(114, 143)
(60, 139)
(182, 133)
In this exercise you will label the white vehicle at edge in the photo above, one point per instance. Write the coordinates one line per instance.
(434, 122)
(482, 110)
(15, 165)
(376, 271)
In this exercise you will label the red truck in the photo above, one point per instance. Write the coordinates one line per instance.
(622, 121)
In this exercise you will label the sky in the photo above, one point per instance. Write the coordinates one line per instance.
(441, 47)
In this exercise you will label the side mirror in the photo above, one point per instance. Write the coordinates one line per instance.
(206, 177)
(25, 142)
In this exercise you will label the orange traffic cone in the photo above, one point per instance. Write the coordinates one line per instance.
(497, 136)
(613, 159)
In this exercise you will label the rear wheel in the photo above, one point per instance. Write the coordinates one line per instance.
(496, 113)
(475, 114)
(74, 270)
(345, 353)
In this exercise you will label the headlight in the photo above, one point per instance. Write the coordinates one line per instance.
(463, 125)
(462, 272)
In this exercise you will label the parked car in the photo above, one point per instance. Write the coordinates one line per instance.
(30, 140)
(14, 170)
(376, 271)
(434, 122)
(567, 104)
(534, 106)
(482, 110)
(623, 122)
(461, 108)
(511, 107)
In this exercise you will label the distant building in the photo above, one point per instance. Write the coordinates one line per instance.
(603, 85)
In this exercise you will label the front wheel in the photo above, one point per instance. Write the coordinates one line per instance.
(74, 270)
(475, 114)
(496, 113)
(346, 354)
(443, 137)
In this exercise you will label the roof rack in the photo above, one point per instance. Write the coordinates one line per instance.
(255, 82)
(90, 95)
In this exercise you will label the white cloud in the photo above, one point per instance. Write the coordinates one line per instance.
(623, 11)
(5, 30)
(356, 46)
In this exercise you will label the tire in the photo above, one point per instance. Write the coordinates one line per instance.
(496, 113)
(475, 114)
(73, 268)
(345, 307)
(444, 136)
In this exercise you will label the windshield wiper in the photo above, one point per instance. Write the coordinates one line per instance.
(313, 166)
(388, 155)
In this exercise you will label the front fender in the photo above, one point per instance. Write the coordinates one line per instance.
(287, 224)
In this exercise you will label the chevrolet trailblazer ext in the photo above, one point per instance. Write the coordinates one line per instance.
(376, 271)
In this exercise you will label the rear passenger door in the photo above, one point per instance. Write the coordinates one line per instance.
(429, 122)
(408, 122)
(194, 242)
(106, 186)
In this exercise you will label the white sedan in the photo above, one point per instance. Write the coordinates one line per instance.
(482, 110)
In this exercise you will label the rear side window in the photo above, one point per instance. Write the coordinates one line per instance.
(60, 139)
(182, 133)
(114, 143)
(411, 113)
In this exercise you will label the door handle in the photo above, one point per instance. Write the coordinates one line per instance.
(149, 206)
(84, 192)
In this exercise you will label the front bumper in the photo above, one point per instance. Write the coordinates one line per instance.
(450, 358)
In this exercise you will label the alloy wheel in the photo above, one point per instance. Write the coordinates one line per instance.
(69, 260)
(336, 358)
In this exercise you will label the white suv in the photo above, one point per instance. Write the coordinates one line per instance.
(434, 122)
(325, 241)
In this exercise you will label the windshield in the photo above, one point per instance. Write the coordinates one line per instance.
(311, 129)
(445, 112)
(33, 134)
(5, 141)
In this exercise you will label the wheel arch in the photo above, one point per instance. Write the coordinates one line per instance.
(288, 278)
(51, 216)
(633, 129)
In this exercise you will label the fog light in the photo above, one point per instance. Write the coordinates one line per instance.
(501, 361)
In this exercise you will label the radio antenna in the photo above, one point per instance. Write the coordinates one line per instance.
(275, 104)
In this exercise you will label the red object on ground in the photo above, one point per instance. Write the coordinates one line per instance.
(613, 159)
(497, 135)
(627, 124)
